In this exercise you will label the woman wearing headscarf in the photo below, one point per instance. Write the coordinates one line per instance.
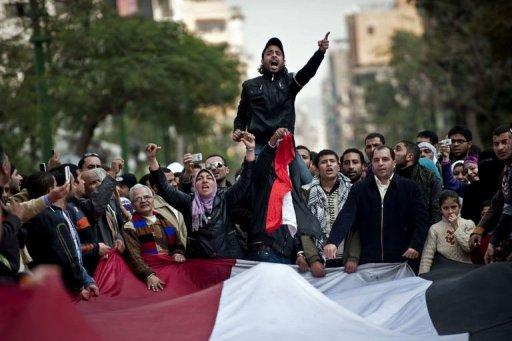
(207, 211)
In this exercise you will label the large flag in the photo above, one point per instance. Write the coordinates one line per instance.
(242, 300)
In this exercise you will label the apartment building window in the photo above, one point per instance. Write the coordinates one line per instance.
(210, 25)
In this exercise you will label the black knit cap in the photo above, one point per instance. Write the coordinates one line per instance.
(273, 41)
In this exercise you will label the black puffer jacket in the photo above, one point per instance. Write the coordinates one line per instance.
(220, 238)
(267, 102)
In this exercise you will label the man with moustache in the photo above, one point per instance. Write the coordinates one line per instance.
(352, 164)
(388, 213)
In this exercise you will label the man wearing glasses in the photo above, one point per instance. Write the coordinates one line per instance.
(217, 164)
(462, 140)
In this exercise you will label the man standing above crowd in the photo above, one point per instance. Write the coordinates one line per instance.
(407, 165)
(352, 164)
(268, 102)
(389, 213)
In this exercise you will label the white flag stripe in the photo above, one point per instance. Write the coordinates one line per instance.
(274, 301)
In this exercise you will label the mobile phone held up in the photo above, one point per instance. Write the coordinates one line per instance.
(446, 142)
(42, 167)
(197, 158)
(67, 173)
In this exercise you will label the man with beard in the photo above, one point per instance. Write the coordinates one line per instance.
(267, 102)
(407, 165)
(219, 167)
(461, 142)
(352, 163)
(499, 214)
(387, 211)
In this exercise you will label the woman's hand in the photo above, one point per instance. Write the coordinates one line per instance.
(151, 150)
(154, 283)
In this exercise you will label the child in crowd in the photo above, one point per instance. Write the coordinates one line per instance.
(450, 236)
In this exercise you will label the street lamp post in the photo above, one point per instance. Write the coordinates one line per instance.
(36, 12)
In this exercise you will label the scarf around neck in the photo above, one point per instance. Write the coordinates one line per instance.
(202, 205)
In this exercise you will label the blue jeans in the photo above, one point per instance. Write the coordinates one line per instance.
(305, 175)
(269, 256)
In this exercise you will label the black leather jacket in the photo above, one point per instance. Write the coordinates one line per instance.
(220, 238)
(267, 102)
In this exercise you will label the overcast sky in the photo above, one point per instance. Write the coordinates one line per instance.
(299, 24)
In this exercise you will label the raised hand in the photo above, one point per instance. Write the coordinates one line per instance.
(444, 150)
(237, 135)
(151, 150)
(116, 166)
(54, 161)
(59, 192)
(248, 139)
(278, 135)
(189, 165)
(323, 44)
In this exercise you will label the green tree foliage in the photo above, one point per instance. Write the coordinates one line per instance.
(459, 71)
(100, 64)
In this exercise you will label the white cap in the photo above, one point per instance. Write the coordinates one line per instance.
(175, 167)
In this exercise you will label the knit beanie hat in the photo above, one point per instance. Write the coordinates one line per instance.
(273, 41)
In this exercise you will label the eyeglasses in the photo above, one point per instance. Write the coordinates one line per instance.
(142, 199)
(214, 165)
(458, 141)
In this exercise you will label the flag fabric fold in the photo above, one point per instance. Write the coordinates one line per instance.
(236, 299)
(280, 209)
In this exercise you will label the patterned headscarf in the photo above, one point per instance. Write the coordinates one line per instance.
(202, 204)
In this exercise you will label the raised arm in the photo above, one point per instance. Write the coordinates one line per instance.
(242, 119)
(96, 204)
(236, 192)
(175, 198)
(303, 76)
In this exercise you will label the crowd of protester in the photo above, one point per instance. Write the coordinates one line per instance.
(389, 207)
(395, 202)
